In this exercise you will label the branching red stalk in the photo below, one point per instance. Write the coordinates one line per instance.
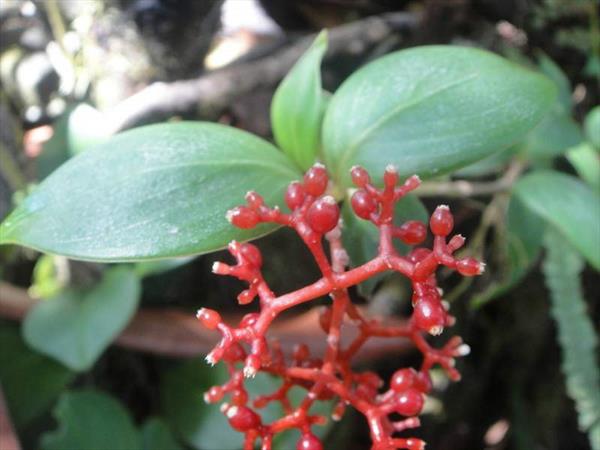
(245, 348)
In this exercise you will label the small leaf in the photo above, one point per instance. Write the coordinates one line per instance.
(578, 341)
(361, 237)
(156, 435)
(77, 325)
(30, 381)
(91, 420)
(569, 205)
(592, 127)
(47, 281)
(298, 106)
(586, 162)
(553, 71)
(553, 136)
(431, 110)
(153, 192)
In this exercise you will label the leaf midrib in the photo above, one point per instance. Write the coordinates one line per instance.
(353, 147)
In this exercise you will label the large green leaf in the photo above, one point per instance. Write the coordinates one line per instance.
(155, 191)
(431, 110)
(77, 325)
(578, 341)
(30, 381)
(569, 205)
(91, 420)
(298, 106)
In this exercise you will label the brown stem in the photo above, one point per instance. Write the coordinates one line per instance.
(174, 333)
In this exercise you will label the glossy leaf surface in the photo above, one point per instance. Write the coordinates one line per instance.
(431, 110)
(152, 192)
(298, 106)
(568, 204)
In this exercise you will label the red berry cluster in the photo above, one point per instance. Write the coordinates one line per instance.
(245, 349)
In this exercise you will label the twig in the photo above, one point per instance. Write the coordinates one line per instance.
(463, 188)
(8, 437)
(175, 333)
(210, 94)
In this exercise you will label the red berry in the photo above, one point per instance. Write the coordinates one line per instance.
(246, 296)
(309, 441)
(242, 418)
(315, 180)
(469, 267)
(360, 177)
(209, 318)
(294, 195)
(243, 217)
(409, 402)
(301, 352)
(413, 232)
(239, 397)
(441, 221)
(419, 254)
(214, 394)
(423, 382)
(252, 254)
(234, 353)
(323, 214)
(363, 204)
(403, 379)
(249, 319)
(254, 199)
(429, 315)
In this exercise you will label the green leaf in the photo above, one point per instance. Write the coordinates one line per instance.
(298, 106)
(76, 326)
(47, 280)
(78, 128)
(487, 166)
(431, 110)
(592, 127)
(361, 237)
(153, 192)
(156, 435)
(553, 136)
(91, 420)
(553, 71)
(30, 381)
(586, 162)
(569, 205)
(576, 336)
(520, 247)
